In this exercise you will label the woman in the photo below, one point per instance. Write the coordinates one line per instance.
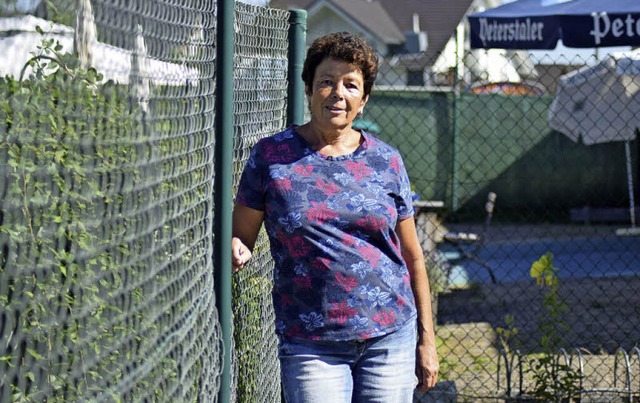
(351, 293)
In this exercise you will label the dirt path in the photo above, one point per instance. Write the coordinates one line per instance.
(601, 316)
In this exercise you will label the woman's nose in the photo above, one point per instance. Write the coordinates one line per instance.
(337, 91)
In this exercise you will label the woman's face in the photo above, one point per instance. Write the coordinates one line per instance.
(337, 94)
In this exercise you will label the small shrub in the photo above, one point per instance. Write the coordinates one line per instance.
(552, 381)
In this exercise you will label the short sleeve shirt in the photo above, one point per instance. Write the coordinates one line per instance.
(339, 273)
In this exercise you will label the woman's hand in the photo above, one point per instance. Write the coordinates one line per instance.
(240, 254)
(427, 366)
(246, 225)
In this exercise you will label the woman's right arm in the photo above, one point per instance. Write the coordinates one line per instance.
(246, 226)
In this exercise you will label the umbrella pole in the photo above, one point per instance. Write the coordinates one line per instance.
(632, 207)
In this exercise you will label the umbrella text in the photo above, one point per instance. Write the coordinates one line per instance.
(603, 25)
(510, 31)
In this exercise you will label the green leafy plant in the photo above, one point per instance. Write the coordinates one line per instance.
(552, 380)
(62, 154)
(250, 293)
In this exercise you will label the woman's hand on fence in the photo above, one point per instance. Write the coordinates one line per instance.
(240, 254)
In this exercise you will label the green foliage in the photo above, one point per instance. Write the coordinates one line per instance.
(62, 157)
(552, 380)
(507, 334)
(249, 296)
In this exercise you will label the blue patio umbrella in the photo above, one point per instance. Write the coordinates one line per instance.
(540, 24)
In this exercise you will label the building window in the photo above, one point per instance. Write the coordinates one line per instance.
(415, 77)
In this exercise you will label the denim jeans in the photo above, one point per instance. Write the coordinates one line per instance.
(381, 369)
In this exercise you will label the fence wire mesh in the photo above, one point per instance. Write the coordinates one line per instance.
(106, 274)
(260, 105)
(538, 295)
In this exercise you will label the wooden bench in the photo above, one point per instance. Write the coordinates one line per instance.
(588, 215)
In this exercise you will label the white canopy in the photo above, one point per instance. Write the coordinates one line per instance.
(18, 39)
(600, 103)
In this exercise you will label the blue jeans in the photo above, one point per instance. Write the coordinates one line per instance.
(381, 369)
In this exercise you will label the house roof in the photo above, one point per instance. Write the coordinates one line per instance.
(370, 15)
(439, 18)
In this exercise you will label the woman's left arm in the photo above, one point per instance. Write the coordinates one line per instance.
(427, 365)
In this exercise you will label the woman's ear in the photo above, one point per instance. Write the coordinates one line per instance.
(362, 104)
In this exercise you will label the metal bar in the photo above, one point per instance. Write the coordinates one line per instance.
(223, 185)
(456, 125)
(632, 203)
(297, 45)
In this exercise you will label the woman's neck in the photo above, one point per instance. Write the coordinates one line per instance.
(333, 142)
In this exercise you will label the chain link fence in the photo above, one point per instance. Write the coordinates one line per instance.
(106, 271)
(537, 288)
(107, 200)
(106, 192)
(260, 110)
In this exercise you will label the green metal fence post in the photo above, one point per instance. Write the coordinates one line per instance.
(223, 185)
(456, 127)
(297, 45)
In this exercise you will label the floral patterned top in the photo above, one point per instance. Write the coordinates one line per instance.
(339, 274)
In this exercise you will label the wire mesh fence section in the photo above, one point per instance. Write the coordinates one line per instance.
(106, 274)
(485, 125)
(260, 90)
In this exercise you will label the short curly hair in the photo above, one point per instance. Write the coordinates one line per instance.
(345, 46)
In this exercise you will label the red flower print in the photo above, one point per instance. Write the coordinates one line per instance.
(371, 223)
(346, 282)
(321, 264)
(269, 151)
(294, 331)
(285, 299)
(320, 213)
(283, 185)
(303, 282)
(395, 164)
(340, 312)
(392, 211)
(369, 253)
(348, 240)
(304, 170)
(277, 153)
(406, 280)
(358, 169)
(327, 188)
(297, 246)
(385, 318)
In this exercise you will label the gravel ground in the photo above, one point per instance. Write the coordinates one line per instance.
(601, 316)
